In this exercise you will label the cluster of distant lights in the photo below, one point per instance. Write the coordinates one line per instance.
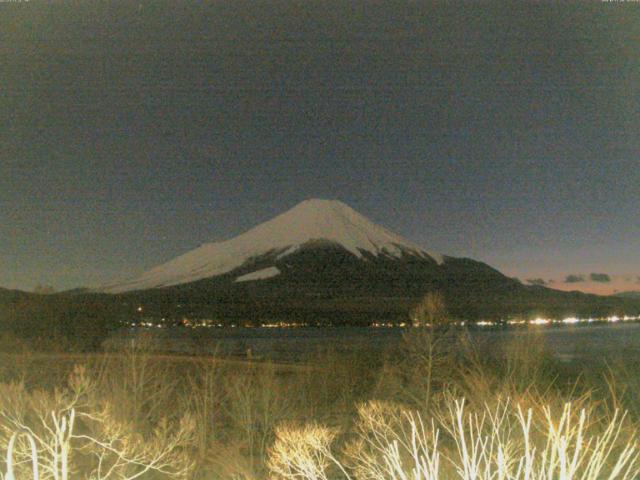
(563, 321)
(207, 323)
(534, 321)
(482, 323)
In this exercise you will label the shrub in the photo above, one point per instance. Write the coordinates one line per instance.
(501, 442)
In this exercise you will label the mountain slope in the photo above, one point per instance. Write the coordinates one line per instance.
(310, 222)
(322, 262)
(327, 285)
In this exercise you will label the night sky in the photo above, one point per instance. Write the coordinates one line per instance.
(507, 133)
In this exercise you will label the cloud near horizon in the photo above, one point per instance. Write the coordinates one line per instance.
(600, 277)
(594, 282)
(574, 278)
(536, 281)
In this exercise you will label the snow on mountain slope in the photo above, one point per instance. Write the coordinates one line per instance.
(259, 274)
(311, 220)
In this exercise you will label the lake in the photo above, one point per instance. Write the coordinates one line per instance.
(568, 343)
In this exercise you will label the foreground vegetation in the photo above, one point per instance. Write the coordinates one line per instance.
(436, 407)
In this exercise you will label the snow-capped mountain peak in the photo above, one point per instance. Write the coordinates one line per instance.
(309, 221)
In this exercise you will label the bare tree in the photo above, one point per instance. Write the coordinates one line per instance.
(430, 311)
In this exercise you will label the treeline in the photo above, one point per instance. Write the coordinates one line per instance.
(58, 321)
(84, 320)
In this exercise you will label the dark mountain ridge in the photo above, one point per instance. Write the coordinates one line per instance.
(328, 285)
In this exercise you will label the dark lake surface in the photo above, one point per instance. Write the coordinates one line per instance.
(570, 343)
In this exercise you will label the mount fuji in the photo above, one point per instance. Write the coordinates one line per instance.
(310, 223)
(324, 263)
